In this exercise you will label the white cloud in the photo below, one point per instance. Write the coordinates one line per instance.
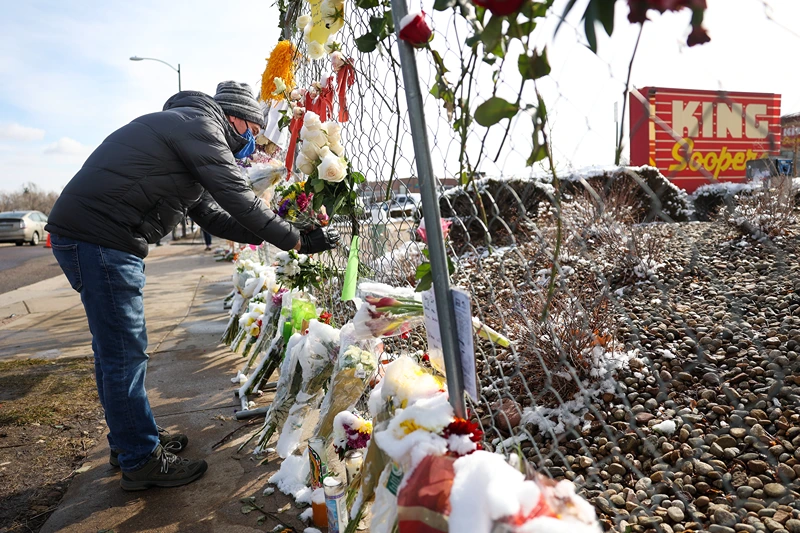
(66, 146)
(17, 132)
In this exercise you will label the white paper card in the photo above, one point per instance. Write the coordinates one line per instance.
(463, 312)
(432, 328)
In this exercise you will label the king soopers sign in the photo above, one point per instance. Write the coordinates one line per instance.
(699, 137)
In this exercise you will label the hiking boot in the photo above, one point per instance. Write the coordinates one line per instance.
(164, 469)
(173, 442)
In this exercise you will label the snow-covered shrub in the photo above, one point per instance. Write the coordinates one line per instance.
(765, 210)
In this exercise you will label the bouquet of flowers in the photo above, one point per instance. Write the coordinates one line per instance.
(298, 271)
(249, 278)
(315, 353)
(488, 494)
(250, 325)
(265, 174)
(386, 311)
(353, 370)
(271, 332)
(350, 432)
(294, 205)
(331, 179)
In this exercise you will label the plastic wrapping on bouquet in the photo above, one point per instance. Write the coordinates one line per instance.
(337, 506)
(318, 461)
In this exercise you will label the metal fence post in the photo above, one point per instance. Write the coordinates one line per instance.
(430, 211)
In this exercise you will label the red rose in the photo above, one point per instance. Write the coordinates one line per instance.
(500, 8)
(414, 29)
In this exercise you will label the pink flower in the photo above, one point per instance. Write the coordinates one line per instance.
(423, 234)
(414, 29)
(382, 303)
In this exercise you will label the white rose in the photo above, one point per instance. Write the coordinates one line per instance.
(303, 21)
(316, 50)
(334, 131)
(280, 86)
(337, 148)
(305, 165)
(328, 9)
(317, 137)
(311, 151)
(312, 121)
(332, 168)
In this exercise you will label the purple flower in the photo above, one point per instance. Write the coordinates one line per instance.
(277, 298)
(284, 208)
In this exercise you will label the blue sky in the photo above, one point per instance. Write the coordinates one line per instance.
(67, 81)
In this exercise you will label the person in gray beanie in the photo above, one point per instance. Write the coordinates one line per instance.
(133, 189)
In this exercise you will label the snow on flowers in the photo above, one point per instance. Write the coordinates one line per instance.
(350, 432)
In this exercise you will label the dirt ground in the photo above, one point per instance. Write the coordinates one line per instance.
(49, 418)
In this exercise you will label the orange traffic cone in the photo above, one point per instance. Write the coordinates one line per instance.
(47, 242)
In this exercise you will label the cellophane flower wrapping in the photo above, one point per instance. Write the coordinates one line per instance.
(315, 354)
(353, 370)
(249, 278)
(487, 490)
(386, 311)
(289, 383)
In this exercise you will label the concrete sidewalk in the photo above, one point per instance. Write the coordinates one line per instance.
(190, 391)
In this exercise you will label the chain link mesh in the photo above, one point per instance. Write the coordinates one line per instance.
(653, 358)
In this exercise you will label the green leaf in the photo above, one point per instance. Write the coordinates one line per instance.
(535, 66)
(494, 110)
(534, 10)
(443, 5)
(367, 43)
(261, 520)
(247, 508)
(423, 270)
(319, 186)
(424, 283)
(377, 25)
(366, 4)
(358, 177)
(589, 19)
(605, 14)
(492, 34)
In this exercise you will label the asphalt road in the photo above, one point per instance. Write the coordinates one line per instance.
(24, 265)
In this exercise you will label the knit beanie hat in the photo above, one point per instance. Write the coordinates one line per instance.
(236, 99)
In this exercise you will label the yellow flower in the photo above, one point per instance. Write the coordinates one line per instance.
(410, 426)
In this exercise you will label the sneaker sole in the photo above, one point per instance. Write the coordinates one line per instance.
(130, 486)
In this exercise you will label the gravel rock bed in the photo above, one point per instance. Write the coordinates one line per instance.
(701, 429)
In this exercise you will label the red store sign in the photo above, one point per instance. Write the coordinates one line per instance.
(700, 137)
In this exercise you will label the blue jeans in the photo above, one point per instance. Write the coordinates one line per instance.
(111, 285)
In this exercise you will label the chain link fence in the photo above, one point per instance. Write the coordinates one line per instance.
(653, 357)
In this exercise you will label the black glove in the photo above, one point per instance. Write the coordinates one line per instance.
(318, 240)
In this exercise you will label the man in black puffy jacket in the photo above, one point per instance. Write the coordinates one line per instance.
(133, 189)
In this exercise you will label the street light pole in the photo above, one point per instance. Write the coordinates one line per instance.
(178, 70)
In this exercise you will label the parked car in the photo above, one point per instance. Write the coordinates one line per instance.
(402, 205)
(20, 227)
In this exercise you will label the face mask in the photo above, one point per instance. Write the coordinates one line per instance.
(249, 148)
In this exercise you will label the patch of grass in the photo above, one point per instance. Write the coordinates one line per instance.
(42, 392)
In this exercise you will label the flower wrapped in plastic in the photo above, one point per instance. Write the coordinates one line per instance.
(315, 355)
(295, 205)
(386, 311)
(298, 271)
(350, 432)
(352, 372)
(488, 494)
(249, 278)
(265, 175)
